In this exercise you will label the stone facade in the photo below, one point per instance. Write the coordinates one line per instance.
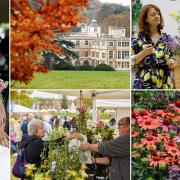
(97, 48)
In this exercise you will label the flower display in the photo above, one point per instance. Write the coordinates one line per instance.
(156, 142)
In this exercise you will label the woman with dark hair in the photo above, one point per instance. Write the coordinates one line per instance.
(151, 51)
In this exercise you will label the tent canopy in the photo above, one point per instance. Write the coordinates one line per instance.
(99, 94)
(49, 95)
(20, 108)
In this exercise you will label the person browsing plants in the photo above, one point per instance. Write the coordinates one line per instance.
(116, 152)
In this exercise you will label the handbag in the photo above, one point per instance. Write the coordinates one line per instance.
(19, 167)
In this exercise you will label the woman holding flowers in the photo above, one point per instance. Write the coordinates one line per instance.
(152, 52)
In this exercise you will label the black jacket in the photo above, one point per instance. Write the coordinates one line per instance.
(34, 146)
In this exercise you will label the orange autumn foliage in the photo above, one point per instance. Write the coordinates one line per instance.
(32, 32)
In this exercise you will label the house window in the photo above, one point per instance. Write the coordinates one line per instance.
(125, 54)
(93, 54)
(86, 43)
(103, 43)
(77, 43)
(119, 43)
(110, 54)
(103, 55)
(97, 54)
(85, 53)
(125, 44)
(77, 52)
(119, 54)
(110, 43)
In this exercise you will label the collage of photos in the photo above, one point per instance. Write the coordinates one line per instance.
(90, 90)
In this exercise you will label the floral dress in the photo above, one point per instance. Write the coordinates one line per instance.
(152, 71)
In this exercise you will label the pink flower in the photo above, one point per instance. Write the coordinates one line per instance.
(149, 141)
(170, 145)
(150, 123)
(134, 133)
(156, 160)
(174, 152)
(2, 86)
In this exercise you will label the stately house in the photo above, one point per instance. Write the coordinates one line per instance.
(96, 48)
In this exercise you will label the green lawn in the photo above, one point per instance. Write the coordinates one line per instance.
(78, 80)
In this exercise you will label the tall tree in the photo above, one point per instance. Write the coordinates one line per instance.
(32, 32)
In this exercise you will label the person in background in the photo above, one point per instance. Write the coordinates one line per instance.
(116, 152)
(47, 126)
(25, 123)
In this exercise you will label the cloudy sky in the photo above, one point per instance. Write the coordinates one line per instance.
(123, 2)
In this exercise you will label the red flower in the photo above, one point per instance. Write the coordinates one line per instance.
(174, 152)
(164, 136)
(133, 120)
(166, 125)
(144, 112)
(150, 123)
(135, 113)
(170, 160)
(155, 160)
(149, 140)
(176, 119)
(169, 145)
(134, 133)
(177, 104)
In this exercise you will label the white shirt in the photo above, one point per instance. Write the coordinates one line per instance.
(4, 163)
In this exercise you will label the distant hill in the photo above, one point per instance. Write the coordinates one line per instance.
(108, 14)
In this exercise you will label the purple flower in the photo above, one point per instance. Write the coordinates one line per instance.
(2, 86)
(174, 172)
(173, 43)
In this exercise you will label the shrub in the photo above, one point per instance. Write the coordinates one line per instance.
(104, 67)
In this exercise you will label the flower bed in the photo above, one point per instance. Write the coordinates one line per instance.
(156, 143)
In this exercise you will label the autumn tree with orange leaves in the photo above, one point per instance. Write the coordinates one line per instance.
(32, 25)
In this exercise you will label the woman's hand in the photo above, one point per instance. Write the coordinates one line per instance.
(171, 63)
(74, 136)
(148, 50)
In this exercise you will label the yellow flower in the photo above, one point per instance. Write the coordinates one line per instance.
(72, 173)
(83, 166)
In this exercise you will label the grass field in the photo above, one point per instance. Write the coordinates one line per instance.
(78, 80)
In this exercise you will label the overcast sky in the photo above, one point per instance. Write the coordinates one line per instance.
(123, 2)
